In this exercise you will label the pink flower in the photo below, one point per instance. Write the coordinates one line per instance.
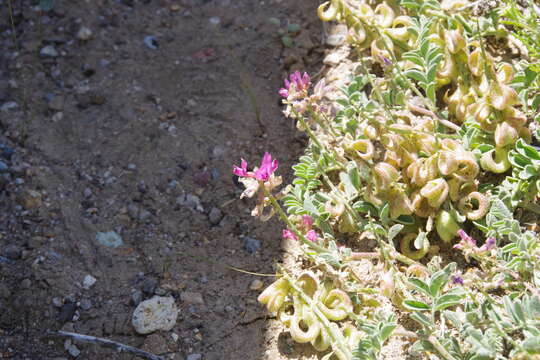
(242, 170)
(267, 168)
(307, 221)
(296, 83)
(489, 244)
(312, 235)
(288, 234)
(263, 173)
(465, 239)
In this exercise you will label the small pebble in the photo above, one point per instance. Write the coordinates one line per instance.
(251, 245)
(151, 42)
(256, 285)
(214, 20)
(110, 239)
(7, 153)
(12, 252)
(86, 304)
(89, 281)
(3, 167)
(49, 51)
(149, 285)
(87, 193)
(136, 297)
(194, 357)
(215, 216)
(84, 33)
(132, 166)
(57, 302)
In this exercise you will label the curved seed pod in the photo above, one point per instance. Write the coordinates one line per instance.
(357, 33)
(305, 316)
(502, 96)
(505, 73)
(467, 167)
(525, 134)
(384, 175)
(455, 42)
(458, 189)
(399, 203)
(334, 207)
(514, 117)
(447, 162)
(450, 145)
(386, 284)
(364, 149)
(365, 12)
(399, 28)
(448, 70)
(337, 305)
(308, 282)
(446, 226)
(422, 170)
(405, 247)
(496, 164)
(426, 142)
(436, 191)
(352, 335)
(453, 5)
(274, 295)
(378, 49)
(328, 10)
(370, 196)
(476, 62)
(371, 132)
(322, 342)
(483, 87)
(420, 205)
(505, 134)
(384, 15)
(286, 313)
(481, 112)
(474, 211)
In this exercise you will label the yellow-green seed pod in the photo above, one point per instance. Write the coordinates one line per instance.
(475, 206)
(405, 247)
(446, 226)
(384, 15)
(505, 134)
(436, 191)
(495, 161)
(328, 10)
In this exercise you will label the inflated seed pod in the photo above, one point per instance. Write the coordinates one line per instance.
(285, 313)
(384, 15)
(447, 162)
(448, 70)
(476, 62)
(467, 167)
(370, 196)
(423, 170)
(399, 29)
(392, 158)
(322, 342)
(480, 110)
(357, 34)
(303, 318)
(451, 145)
(505, 73)
(399, 203)
(387, 285)
(379, 49)
(474, 206)
(405, 247)
(274, 295)
(420, 205)
(352, 335)
(514, 117)
(384, 175)
(308, 282)
(505, 134)
(446, 226)
(453, 5)
(336, 305)
(502, 96)
(495, 160)
(364, 149)
(371, 132)
(458, 189)
(328, 10)
(365, 12)
(334, 207)
(436, 191)
(418, 271)
(483, 86)
(455, 42)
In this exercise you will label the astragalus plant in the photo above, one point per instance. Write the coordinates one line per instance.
(416, 198)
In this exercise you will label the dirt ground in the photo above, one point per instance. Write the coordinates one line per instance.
(133, 127)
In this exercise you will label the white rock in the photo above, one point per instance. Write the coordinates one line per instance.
(84, 33)
(157, 313)
(337, 56)
(89, 281)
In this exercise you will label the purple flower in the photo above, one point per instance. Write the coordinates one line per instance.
(312, 235)
(288, 234)
(241, 170)
(267, 168)
(465, 239)
(489, 244)
(457, 280)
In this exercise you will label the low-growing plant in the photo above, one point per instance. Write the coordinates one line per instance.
(428, 147)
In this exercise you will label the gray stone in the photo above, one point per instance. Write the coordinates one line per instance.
(57, 103)
(157, 313)
(87, 192)
(89, 281)
(84, 33)
(12, 252)
(86, 304)
(136, 297)
(149, 285)
(192, 298)
(110, 239)
(5, 293)
(57, 302)
(144, 215)
(215, 216)
(251, 245)
(49, 51)
(194, 357)
(133, 211)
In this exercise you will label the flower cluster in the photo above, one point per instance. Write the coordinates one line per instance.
(468, 245)
(305, 226)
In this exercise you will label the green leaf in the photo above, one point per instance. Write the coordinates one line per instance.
(393, 231)
(386, 331)
(384, 214)
(440, 278)
(447, 300)
(416, 74)
(287, 41)
(416, 305)
(420, 240)
(500, 210)
(422, 319)
(420, 286)
(532, 345)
